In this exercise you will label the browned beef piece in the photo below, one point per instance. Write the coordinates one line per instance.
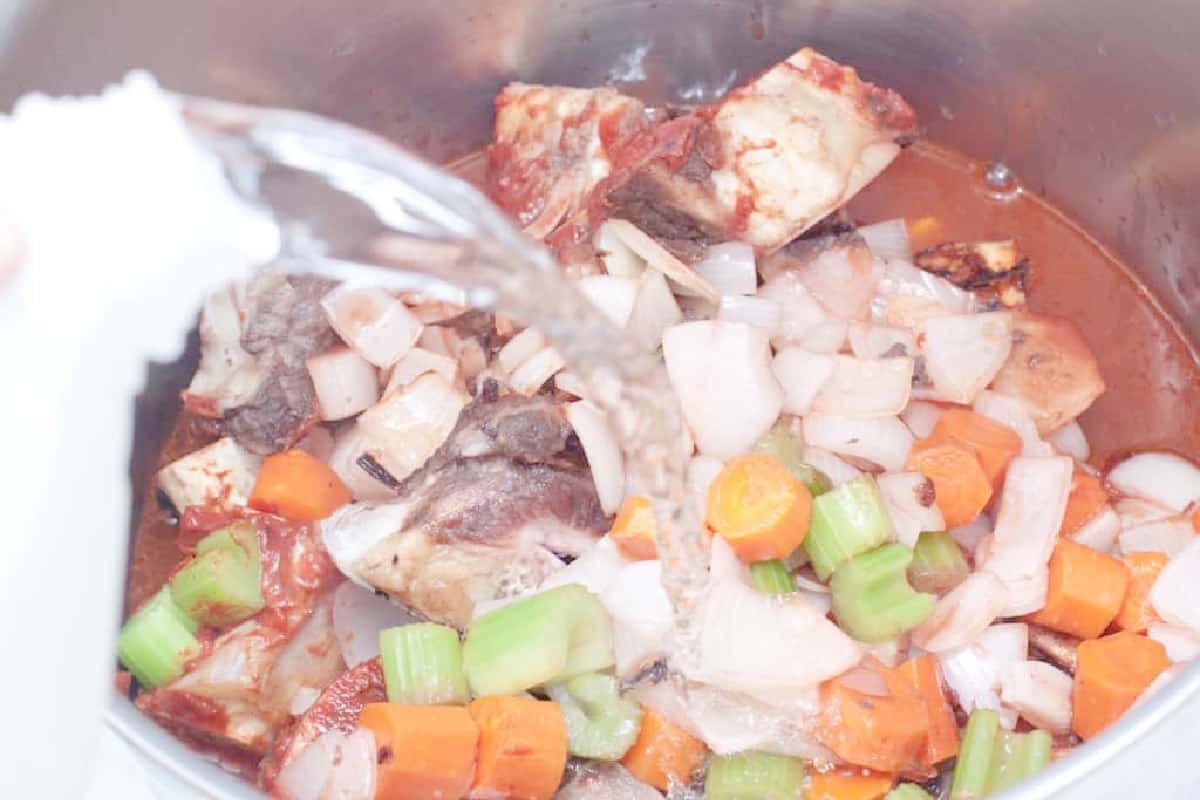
(995, 271)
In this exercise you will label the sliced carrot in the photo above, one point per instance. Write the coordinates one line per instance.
(1196, 520)
(1087, 499)
(422, 751)
(942, 739)
(759, 507)
(522, 748)
(961, 488)
(663, 752)
(633, 529)
(849, 784)
(295, 485)
(1110, 674)
(1136, 613)
(1085, 590)
(887, 733)
(994, 444)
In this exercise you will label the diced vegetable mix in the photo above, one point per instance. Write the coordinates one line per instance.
(846, 521)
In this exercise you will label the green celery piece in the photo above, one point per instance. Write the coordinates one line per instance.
(871, 598)
(601, 723)
(222, 584)
(754, 776)
(908, 791)
(972, 771)
(772, 577)
(552, 635)
(938, 563)
(1016, 757)
(422, 664)
(847, 520)
(787, 447)
(157, 641)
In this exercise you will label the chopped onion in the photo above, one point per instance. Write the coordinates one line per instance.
(921, 417)
(837, 470)
(1031, 512)
(417, 362)
(752, 310)
(843, 280)
(1070, 440)
(406, 427)
(825, 337)
(904, 495)
(799, 311)
(890, 653)
(304, 697)
(1026, 594)
(659, 258)
(1163, 478)
(595, 570)
(866, 387)
(1013, 413)
(962, 614)
(654, 310)
(964, 352)
(345, 383)
(1169, 536)
(359, 615)
(972, 673)
(729, 267)
(970, 535)
(1039, 692)
(601, 780)
(348, 447)
(533, 374)
(888, 239)
(336, 766)
(1182, 644)
(881, 440)
(613, 296)
(880, 341)
(641, 615)
(701, 472)
(618, 258)
(801, 374)
(902, 284)
(571, 383)
(602, 451)
(373, 322)
(1099, 532)
(318, 443)
(721, 372)
(862, 679)
(520, 349)
(1176, 593)
(1136, 512)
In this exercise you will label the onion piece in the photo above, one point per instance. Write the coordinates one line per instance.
(799, 311)
(417, 362)
(866, 387)
(641, 614)
(964, 352)
(1013, 413)
(888, 239)
(520, 349)
(801, 374)
(302, 700)
(336, 766)
(373, 322)
(701, 472)
(348, 447)
(318, 443)
(1182, 644)
(617, 257)
(825, 337)
(612, 296)
(1163, 478)
(865, 680)
(659, 258)
(921, 417)
(570, 383)
(1070, 440)
(1175, 594)
(908, 497)
(962, 614)
(970, 535)
(345, 383)
(1031, 512)
(1169, 536)
(843, 278)
(972, 671)
(533, 374)
(752, 310)
(907, 294)
(359, 615)
(599, 780)
(729, 268)
(1039, 692)
(721, 372)
(603, 453)
(837, 470)
(880, 341)
(1133, 511)
(405, 428)
(885, 441)
(1100, 532)
(654, 310)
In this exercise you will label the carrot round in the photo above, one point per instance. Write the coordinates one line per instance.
(421, 751)
(522, 748)
(961, 488)
(297, 486)
(1136, 613)
(759, 507)
(1110, 674)
(849, 784)
(633, 529)
(663, 752)
(1086, 500)
(885, 733)
(994, 444)
(941, 743)
(1085, 591)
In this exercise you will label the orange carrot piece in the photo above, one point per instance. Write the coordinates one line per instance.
(1087, 499)
(1136, 613)
(1085, 590)
(663, 752)
(1110, 674)
(925, 676)
(883, 733)
(633, 529)
(297, 486)
(522, 748)
(422, 751)
(759, 507)
(961, 488)
(849, 784)
(1196, 520)
(994, 444)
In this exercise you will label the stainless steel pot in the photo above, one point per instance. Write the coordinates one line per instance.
(1094, 103)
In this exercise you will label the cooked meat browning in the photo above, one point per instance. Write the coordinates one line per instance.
(995, 271)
